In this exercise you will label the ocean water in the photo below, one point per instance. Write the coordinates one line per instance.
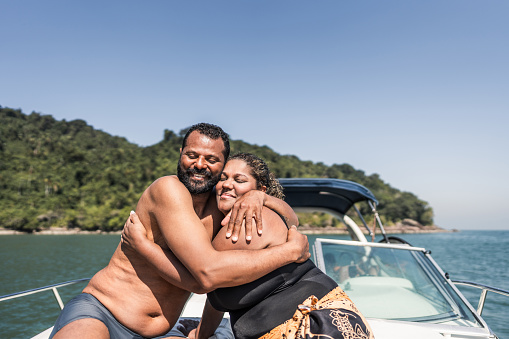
(30, 261)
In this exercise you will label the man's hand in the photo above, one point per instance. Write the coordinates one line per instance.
(248, 207)
(301, 244)
(134, 232)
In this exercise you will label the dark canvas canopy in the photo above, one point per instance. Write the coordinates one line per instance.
(334, 194)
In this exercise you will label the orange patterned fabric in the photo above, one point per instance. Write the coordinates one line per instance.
(333, 316)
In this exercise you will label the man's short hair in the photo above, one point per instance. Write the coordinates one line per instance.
(213, 132)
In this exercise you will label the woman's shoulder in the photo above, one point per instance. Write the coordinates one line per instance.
(275, 226)
(274, 232)
(275, 219)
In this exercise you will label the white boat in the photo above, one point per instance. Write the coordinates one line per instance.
(399, 288)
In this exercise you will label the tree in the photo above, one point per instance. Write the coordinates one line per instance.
(68, 174)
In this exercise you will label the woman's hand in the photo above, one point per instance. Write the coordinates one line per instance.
(134, 233)
(248, 207)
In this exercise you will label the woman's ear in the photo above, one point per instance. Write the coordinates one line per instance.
(263, 189)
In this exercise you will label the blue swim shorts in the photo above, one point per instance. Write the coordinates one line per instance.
(87, 306)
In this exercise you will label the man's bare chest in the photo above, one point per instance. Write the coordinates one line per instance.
(212, 224)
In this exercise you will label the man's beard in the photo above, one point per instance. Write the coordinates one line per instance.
(197, 187)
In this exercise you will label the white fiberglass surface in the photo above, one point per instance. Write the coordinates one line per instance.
(393, 283)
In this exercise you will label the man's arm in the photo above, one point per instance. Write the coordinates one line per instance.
(172, 209)
(249, 207)
(134, 237)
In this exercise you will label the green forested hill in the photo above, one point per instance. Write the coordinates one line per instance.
(68, 174)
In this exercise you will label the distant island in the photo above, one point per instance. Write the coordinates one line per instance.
(406, 226)
(65, 176)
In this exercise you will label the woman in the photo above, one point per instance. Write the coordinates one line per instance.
(294, 299)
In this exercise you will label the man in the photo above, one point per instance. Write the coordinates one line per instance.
(130, 298)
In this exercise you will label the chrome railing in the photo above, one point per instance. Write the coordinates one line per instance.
(42, 289)
(485, 289)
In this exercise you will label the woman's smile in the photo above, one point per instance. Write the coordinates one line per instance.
(227, 195)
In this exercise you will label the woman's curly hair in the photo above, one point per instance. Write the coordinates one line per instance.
(263, 176)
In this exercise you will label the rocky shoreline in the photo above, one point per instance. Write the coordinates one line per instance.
(405, 227)
(388, 230)
(57, 231)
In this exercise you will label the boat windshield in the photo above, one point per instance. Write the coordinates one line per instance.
(389, 281)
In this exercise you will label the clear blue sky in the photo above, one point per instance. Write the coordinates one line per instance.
(416, 91)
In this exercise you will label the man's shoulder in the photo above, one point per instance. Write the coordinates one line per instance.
(168, 180)
(169, 184)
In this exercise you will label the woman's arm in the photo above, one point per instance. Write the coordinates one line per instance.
(281, 207)
(249, 207)
(210, 320)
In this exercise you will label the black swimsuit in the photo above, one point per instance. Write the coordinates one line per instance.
(259, 306)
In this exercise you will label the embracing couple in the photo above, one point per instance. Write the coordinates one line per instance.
(176, 244)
